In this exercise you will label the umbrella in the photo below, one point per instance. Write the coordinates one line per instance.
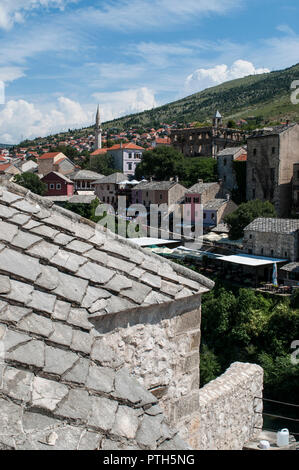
(274, 275)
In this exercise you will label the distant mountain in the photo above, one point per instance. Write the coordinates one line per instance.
(265, 96)
(6, 146)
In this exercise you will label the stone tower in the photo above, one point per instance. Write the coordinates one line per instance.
(217, 121)
(98, 131)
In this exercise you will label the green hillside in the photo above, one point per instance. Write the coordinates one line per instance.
(265, 96)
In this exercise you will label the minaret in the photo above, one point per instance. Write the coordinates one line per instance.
(98, 131)
(217, 121)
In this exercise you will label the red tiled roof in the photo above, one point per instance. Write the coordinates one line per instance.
(99, 152)
(129, 146)
(161, 140)
(242, 158)
(45, 156)
(4, 166)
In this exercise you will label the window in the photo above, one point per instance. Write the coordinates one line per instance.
(108, 187)
(272, 172)
(253, 194)
(161, 196)
(213, 216)
(58, 186)
(272, 252)
(104, 198)
(224, 178)
(130, 155)
(129, 166)
(196, 200)
(262, 251)
(52, 186)
(273, 150)
(225, 162)
(286, 254)
(250, 236)
(205, 215)
(107, 198)
(254, 152)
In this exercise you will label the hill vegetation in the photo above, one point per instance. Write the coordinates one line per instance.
(260, 99)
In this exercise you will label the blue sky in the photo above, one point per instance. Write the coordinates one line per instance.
(59, 58)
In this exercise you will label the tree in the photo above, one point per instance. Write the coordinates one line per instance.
(245, 214)
(102, 164)
(160, 163)
(31, 181)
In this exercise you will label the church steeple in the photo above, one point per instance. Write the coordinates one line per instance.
(98, 131)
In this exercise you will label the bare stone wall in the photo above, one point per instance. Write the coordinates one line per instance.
(160, 347)
(230, 410)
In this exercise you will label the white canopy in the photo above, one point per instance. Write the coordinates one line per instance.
(249, 260)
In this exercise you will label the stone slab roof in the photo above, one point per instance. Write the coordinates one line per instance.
(61, 385)
(276, 130)
(201, 187)
(230, 151)
(291, 268)
(114, 178)
(273, 225)
(86, 175)
(156, 185)
(214, 204)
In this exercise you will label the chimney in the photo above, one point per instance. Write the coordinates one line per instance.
(177, 179)
(200, 181)
(151, 179)
(227, 197)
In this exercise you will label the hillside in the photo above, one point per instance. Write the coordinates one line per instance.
(266, 96)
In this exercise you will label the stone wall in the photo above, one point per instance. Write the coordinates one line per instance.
(160, 347)
(278, 245)
(230, 410)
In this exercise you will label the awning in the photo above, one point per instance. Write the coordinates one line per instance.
(147, 241)
(248, 260)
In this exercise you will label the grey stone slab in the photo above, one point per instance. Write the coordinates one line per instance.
(97, 256)
(150, 431)
(90, 441)
(102, 413)
(95, 272)
(7, 212)
(36, 324)
(79, 246)
(71, 288)
(42, 301)
(10, 419)
(47, 394)
(76, 406)
(4, 284)
(78, 373)
(12, 339)
(19, 292)
(63, 239)
(127, 388)
(58, 361)
(79, 317)
(137, 293)
(93, 294)
(13, 314)
(61, 310)
(17, 384)
(48, 279)
(126, 422)
(81, 341)
(21, 265)
(26, 206)
(67, 260)
(120, 264)
(104, 354)
(25, 240)
(31, 353)
(151, 280)
(100, 379)
(9, 197)
(20, 219)
(62, 334)
(31, 224)
(123, 250)
(44, 250)
(34, 422)
(170, 288)
(45, 231)
(155, 297)
(118, 304)
(7, 231)
(118, 282)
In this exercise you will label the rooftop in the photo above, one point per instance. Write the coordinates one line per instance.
(201, 187)
(273, 225)
(230, 151)
(62, 386)
(156, 185)
(86, 175)
(114, 178)
(268, 131)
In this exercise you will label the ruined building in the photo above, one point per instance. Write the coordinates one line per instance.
(271, 156)
(100, 342)
(206, 141)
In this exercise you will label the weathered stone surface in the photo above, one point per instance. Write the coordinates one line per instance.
(61, 310)
(78, 373)
(126, 422)
(36, 324)
(79, 246)
(25, 240)
(71, 288)
(90, 441)
(7, 231)
(17, 384)
(19, 292)
(137, 293)
(48, 278)
(18, 264)
(95, 273)
(104, 354)
(62, 334)
(102, 413)
(41, 301)
(81, 341)
(10, 421)
(150, 431)
(118, 282)
(76, 406)
(69, 261)
(100, 379)
(44, 250)
(79, 317)
(13, 313)
(31, 353)
(58, 361)
(4, 284)
(127, 388)
(47, 393)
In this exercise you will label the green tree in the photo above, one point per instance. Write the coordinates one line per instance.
(209, 365)
(31, 181)
(160, 163)
(245, 214)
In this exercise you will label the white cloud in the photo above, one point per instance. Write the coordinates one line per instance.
(206, 78)
(124, 102)
(140, 14)
(22, 120)
(2, 92)
(14, 11)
